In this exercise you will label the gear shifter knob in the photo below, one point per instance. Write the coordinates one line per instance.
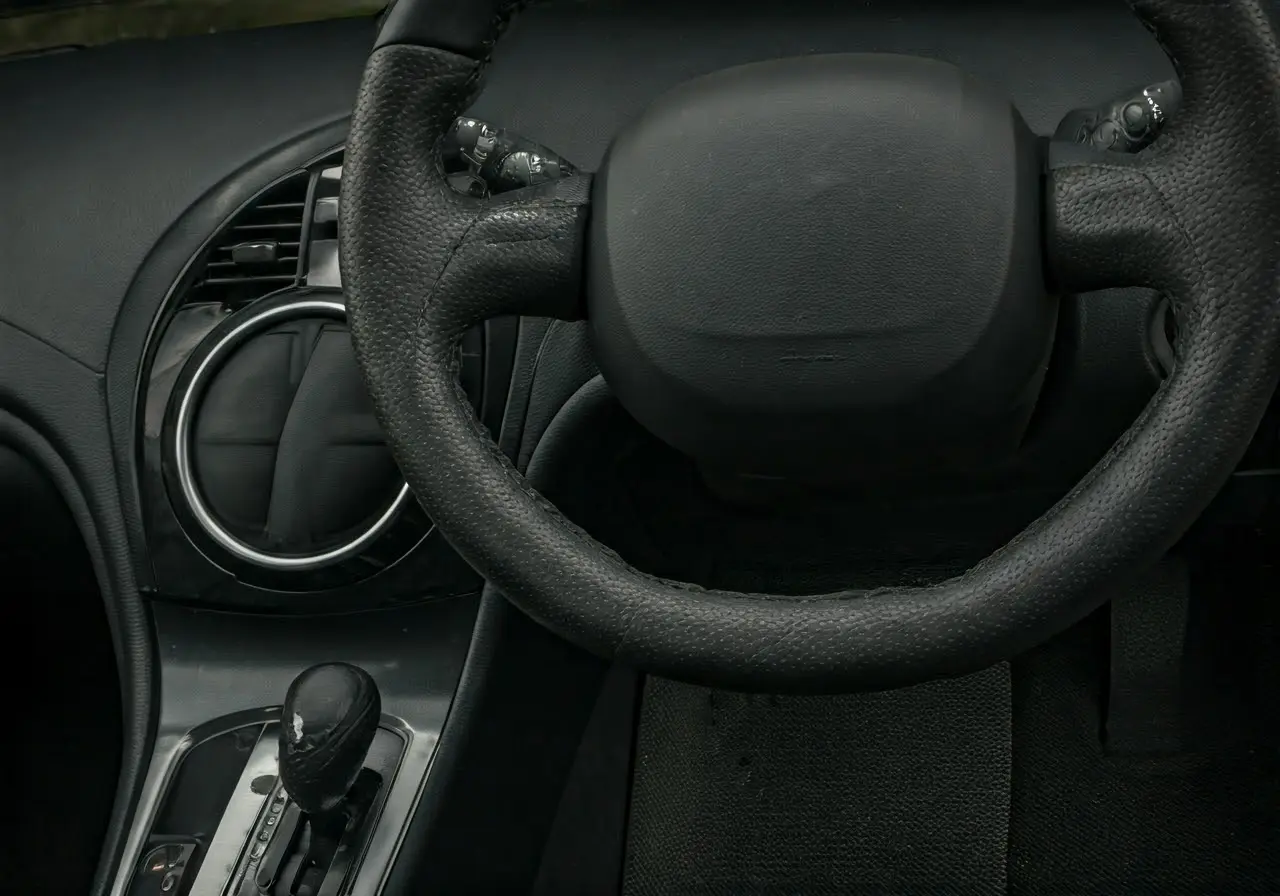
(326, 726)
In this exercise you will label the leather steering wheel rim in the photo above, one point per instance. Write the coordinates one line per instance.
(1197, 216)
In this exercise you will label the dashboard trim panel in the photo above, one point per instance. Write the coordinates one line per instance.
(186, 475)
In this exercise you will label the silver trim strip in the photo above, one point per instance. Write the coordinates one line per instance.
(238, 819)
(186, 476)
(167, 754)
(165, 757)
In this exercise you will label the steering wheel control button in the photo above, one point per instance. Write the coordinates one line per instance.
(162, 870)
(875, 304)
(1127, 124)
(1106, 135)
(1135, 118)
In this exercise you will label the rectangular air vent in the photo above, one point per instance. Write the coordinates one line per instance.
(257, 251)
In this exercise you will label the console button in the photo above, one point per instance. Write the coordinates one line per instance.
(157, 861)
(162, 870)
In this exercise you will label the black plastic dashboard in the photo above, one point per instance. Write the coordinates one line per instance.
(122, 162)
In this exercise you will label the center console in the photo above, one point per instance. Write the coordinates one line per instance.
(270, 775)
(311, 624)
(300, 815)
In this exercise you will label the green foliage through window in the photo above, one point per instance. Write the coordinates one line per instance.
(27, 26)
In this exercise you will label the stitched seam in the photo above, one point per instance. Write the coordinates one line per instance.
(1163, 201)
(1182, 230)
(435, 285)
(774, 644)
(620, 646)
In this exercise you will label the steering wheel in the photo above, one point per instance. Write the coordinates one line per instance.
(929, 308)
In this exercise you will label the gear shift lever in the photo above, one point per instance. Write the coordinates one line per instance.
(328, 721)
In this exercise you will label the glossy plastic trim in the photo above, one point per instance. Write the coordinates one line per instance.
(219, 671)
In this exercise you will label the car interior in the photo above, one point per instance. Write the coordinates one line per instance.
(644, 448)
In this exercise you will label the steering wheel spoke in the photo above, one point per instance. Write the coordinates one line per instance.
(520, 254)
(1108, 224)
(454, 259)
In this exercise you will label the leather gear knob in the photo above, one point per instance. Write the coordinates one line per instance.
(327, 723)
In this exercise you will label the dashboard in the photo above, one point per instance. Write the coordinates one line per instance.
(173, 348)
(136, 182)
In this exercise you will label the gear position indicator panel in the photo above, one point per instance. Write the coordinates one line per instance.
(261, 807)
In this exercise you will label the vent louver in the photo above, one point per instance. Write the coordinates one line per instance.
(257, 251)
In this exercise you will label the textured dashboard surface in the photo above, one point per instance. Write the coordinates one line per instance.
(555, 76)
(104, 148)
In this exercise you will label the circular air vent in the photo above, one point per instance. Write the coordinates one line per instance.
(278, 455)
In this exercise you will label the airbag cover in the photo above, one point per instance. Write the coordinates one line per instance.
(824, 262)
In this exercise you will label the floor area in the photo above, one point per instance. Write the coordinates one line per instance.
(831, 795)
(1204, 819)
(828, 795)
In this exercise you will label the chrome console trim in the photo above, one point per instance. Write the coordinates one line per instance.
(183, 460)
(215, 665)
(231, 838)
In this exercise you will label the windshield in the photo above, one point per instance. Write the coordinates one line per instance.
(34, 26)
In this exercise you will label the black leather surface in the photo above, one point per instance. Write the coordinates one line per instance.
(327, 723)
(554, 75)
(112, 150)
(461, 26)
(402, 229)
